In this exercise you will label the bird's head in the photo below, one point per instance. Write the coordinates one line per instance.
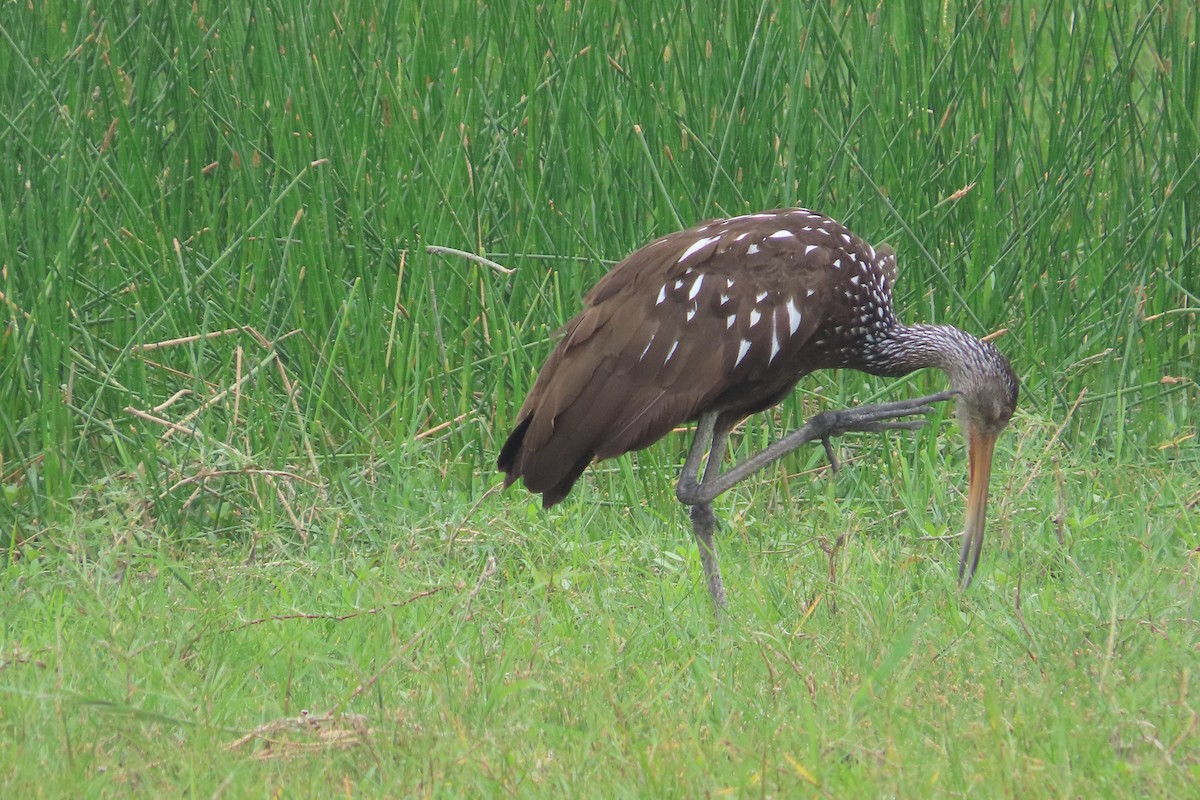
(987, 395)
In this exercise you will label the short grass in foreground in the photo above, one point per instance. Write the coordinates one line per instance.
(575, 651)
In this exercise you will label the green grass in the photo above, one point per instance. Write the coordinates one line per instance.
(248, 424)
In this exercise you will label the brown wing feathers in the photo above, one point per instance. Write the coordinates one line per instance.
(601, 394)
(712, 318)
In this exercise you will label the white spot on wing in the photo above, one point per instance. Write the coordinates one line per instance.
(647, 347)
(662, 295)
(745, 348)
(752, 249)
(696, 288)
(760, 297)
(754, 317)
(809, 248)
(781, 234)
(729, 321)
(811, 292)
(846, 238)
(774, 344)
(691, 312)
(724, 298)
(697, 246)
(670, 353)
(854, 279)
(794, 316)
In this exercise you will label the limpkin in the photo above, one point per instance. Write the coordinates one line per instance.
(720, 321)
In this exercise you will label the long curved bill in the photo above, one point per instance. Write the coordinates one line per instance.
(981, 446)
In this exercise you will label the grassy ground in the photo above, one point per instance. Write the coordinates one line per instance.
(250, 533)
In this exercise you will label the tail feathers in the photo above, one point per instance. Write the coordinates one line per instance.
(551, 455)
(549, 475)
(507, 460)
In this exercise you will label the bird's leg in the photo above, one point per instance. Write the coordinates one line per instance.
(688, 481)
(823, 427)
(698, 492)
(704, 521)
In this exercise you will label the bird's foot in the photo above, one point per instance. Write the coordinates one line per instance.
(831, 454)
(873, 418)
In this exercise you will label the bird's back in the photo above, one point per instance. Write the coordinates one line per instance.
(725, 316)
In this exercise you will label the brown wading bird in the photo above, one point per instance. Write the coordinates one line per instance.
(720, 321)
